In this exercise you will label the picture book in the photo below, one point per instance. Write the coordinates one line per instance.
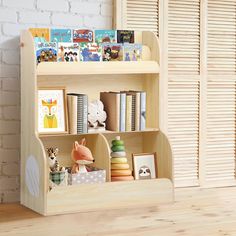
(46, 52)
(40, 33)
(125, 36)
(112, 52)
(61, 35)
(82, 36)
(90, 52)
(105, 36)
(132, 52)
(68, 52)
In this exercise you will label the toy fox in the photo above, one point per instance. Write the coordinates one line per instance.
(82, 156)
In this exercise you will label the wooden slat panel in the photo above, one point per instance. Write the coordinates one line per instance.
(142, 15)
(220, 153)
(183, 37)
(221, 37)
(183, 130)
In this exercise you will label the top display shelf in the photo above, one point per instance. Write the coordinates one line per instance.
(90, 68)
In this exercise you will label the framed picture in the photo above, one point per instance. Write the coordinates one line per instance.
(52, 111)
(144, 165)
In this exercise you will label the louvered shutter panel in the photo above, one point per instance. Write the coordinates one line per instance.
(221, 37)
(183, 97)
(141, 15)
(183, 131)
(221, 56)
(184, 37)
(220, 161)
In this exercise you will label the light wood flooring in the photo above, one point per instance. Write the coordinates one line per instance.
(200, 212)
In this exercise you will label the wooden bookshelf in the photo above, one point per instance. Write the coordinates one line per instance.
(92, 78)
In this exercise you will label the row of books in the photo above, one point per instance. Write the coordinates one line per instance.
(126, 111)
(74, 52)
(82, 35)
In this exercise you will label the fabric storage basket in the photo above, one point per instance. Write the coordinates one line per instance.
(92, 177)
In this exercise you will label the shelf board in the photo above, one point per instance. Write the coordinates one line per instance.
(103, 132)
(92, 68)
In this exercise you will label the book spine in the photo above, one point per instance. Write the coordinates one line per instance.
(142, 110)
(137, 111)
(128, 121)
(82, 114)
(72, 113)
(122, 111)
(133, 113)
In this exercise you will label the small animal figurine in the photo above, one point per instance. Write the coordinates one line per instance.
(96, 114)
(52, 160)
(82, 156)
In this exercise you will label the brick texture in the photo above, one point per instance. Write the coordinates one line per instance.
(16, 15)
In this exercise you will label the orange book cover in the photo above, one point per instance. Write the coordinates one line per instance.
(41, 33)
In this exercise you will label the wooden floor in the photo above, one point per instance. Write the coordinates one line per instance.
(197, 212)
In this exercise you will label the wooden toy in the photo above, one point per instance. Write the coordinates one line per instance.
(82, 156)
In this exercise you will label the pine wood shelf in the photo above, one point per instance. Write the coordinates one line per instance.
(92, 78)
(96, 68)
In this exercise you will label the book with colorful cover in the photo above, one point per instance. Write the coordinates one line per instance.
(90, 52)
(112, 52)
(40, 33)
(125, 36)
(105, 36)
(132, 52)
(82, 36)
(46, 52)
(61, 35)
(68, 52)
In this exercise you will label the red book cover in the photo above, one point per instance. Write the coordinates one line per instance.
(82, 36)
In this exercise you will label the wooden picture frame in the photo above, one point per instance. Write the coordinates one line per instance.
(52, 111)
(144, 165)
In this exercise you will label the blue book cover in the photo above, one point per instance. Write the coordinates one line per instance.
(90, 52)
(142, 110)
(122, 111)
(61, 35)
(132, 52)
(46, 52)
(105, 36)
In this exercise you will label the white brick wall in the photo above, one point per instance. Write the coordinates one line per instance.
(16, 15)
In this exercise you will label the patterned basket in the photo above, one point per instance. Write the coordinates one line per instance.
(92, 177)
(58, 177)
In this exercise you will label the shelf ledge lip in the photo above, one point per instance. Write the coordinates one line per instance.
(91, 68)
(103, 132)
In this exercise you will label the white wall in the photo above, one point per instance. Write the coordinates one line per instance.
(16, 15)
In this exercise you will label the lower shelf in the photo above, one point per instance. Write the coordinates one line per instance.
(110, 195)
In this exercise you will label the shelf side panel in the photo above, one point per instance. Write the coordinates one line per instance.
(33, 163)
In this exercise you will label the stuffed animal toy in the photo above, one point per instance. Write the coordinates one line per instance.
(82, 156)
(52, 160)
(96, 115)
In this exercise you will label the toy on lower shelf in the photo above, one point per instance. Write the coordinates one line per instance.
(82, 156)
(58, 176)
(120, 170)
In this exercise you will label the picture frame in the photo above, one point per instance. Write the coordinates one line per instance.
(144, 165)
(52, 111)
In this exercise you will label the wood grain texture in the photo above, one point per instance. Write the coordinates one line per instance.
(210, 212)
